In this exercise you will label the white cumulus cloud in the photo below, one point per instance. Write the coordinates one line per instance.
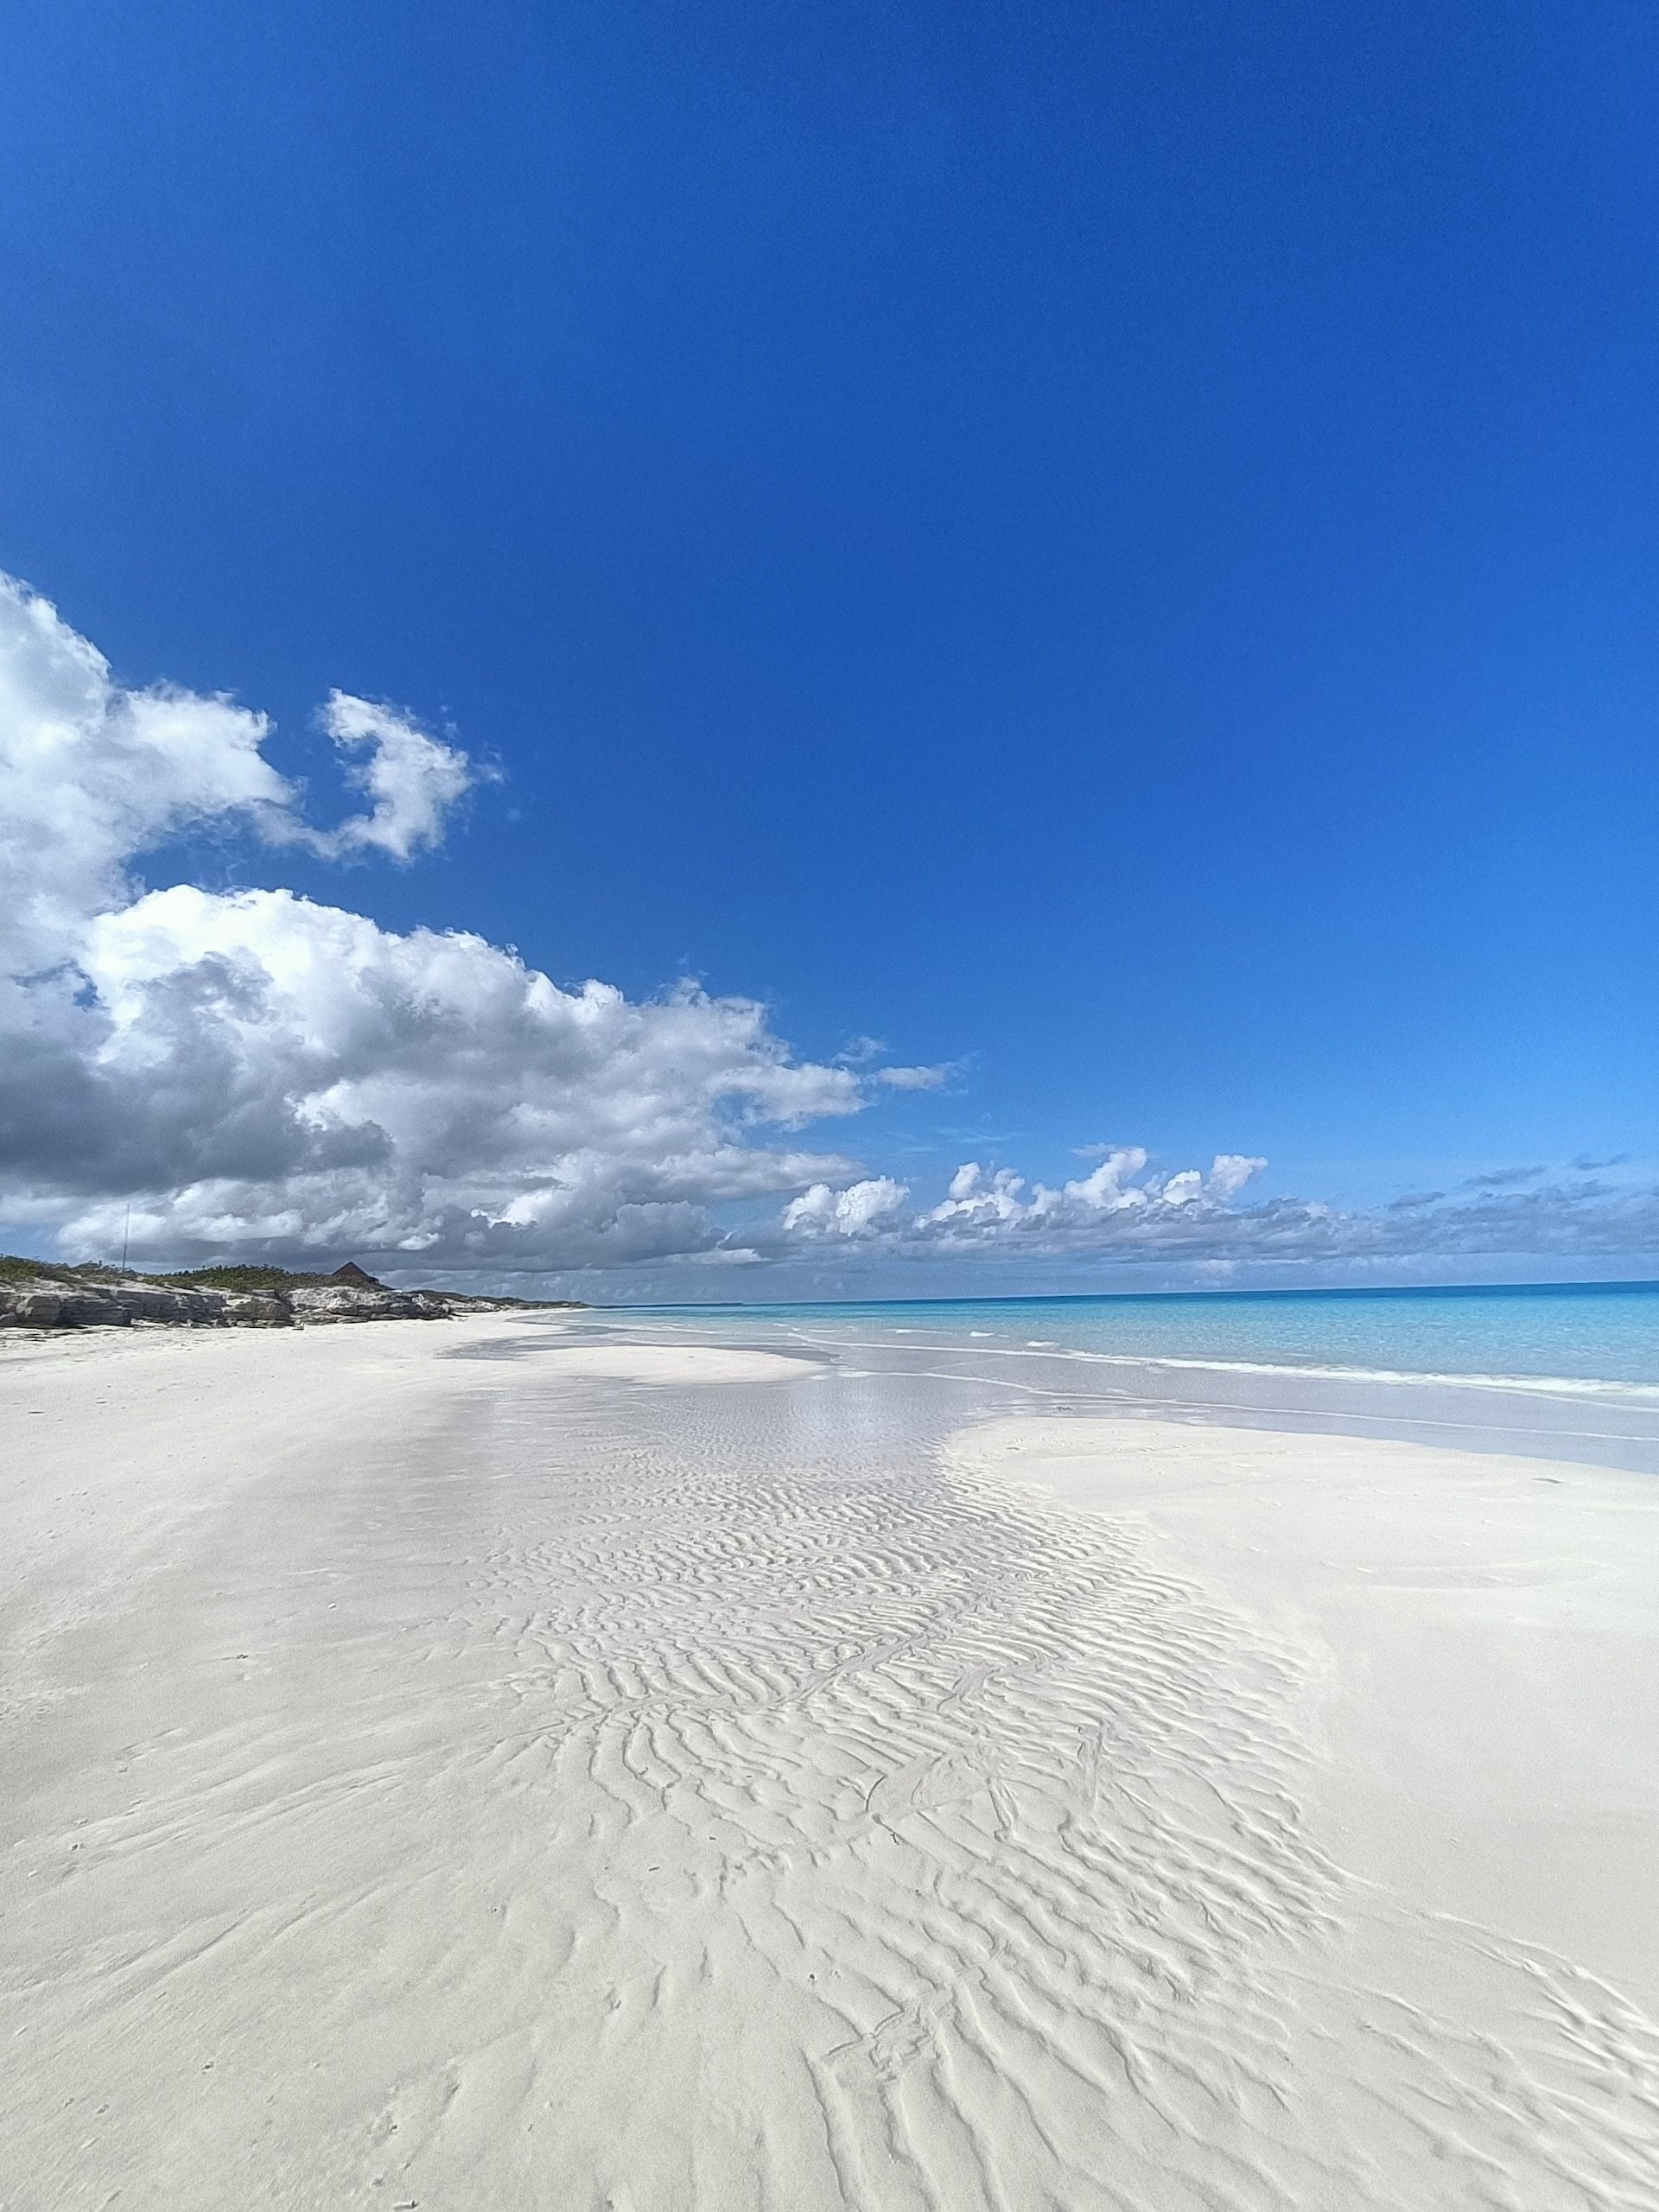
(255, 1070)
(1192, 1220)
(1117, 1204)
(411, 778)
(853, 1212)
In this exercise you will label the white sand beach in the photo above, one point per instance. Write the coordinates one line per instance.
(1480, 1642)
(498, 1764)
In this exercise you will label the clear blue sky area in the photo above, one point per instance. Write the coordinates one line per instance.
(1113, 546)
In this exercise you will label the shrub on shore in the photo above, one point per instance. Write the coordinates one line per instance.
(243, 1278)
(14, 1268)
(239, 1280)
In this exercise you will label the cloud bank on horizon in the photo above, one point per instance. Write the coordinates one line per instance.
(258, 1074)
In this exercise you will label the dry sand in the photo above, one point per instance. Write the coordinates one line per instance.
(636, 1778)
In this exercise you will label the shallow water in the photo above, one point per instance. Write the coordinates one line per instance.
(1562, 1332)
(996, 1351)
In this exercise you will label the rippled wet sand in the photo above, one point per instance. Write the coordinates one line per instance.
(573, 1780)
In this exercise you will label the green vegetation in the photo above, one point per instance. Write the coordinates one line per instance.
(241, 1278)
(14, 1269)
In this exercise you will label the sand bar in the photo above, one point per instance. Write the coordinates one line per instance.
(1480, 1637)
(468, 1764)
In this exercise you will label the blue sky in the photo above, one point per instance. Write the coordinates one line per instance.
(1111, 551)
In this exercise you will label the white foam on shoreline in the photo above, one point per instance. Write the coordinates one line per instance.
(1542, 1385)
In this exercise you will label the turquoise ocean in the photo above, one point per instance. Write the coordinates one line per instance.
(1580, 1334)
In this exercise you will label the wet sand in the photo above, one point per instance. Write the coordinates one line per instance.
(487, 1764)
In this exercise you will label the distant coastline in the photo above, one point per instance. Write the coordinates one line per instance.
(37, 1295)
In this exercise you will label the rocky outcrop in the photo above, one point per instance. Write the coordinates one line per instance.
(32, 1308)
(329, 1302)
(254, 1309)
(49, 1304)
(73, 1301)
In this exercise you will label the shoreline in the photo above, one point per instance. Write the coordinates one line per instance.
(1450, 1413)
(526, 1754)
(1402, 1392)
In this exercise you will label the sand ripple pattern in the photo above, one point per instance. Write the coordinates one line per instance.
(1004, 1823)
(774, 1816)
